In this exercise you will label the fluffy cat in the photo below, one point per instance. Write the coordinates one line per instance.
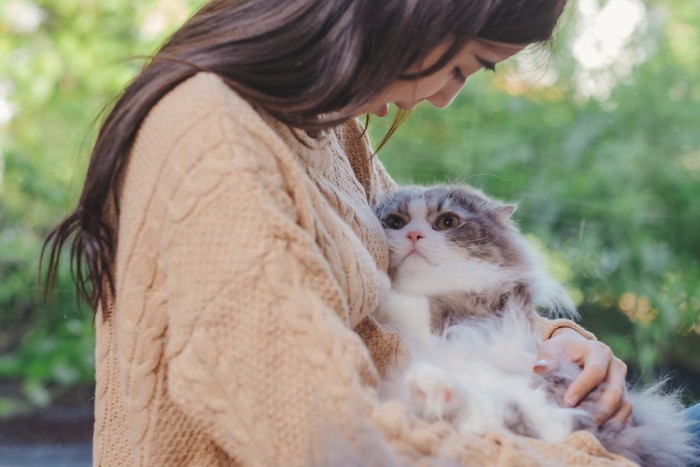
(463, 291)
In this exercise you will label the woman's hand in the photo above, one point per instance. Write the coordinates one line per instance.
(598, 364)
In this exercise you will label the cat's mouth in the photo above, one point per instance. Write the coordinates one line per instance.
(414, 254)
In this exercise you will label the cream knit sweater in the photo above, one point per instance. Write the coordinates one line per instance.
(245, 273)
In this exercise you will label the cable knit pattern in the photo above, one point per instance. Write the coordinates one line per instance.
(240, 333)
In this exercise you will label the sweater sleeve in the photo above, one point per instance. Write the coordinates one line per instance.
(547, 327)
(259, 354)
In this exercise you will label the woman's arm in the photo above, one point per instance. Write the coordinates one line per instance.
(259, 355)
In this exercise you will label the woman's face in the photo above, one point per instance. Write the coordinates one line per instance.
(441, 87)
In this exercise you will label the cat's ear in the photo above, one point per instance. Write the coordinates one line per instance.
(504, 211)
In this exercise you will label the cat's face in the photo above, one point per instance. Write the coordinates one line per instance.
(428, 227)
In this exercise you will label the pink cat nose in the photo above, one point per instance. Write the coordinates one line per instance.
(414, 235)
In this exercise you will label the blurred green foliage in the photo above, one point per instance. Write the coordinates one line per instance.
(63, 62)
(606, 186)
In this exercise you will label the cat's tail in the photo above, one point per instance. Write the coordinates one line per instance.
(661, 435)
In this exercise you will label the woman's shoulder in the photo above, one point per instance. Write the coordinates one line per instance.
(201, 96)
(205, 90)
(203, 113)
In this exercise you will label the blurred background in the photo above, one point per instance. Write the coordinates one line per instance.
(596, 136)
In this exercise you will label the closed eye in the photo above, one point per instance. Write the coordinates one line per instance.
(486, 64)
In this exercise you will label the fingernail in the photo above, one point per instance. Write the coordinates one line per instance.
(541, 364)
(570, 402)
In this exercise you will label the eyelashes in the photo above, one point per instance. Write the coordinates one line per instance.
(486, 64)
(458, 75)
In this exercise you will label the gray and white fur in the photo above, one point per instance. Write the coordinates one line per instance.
(463, 290)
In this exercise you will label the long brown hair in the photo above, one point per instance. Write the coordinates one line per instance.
(310, 63)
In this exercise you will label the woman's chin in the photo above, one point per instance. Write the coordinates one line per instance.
(382, 111)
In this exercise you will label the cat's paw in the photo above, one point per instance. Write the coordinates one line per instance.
(432, 393)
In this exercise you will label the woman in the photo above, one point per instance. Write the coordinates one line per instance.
(225, 237)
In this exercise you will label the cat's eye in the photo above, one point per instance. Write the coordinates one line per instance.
(394, 222)
(446, 222)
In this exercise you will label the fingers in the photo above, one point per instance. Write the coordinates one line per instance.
(596, 367)
(613, 402)
(541, 366)
(545, 363)
(551, 350)
(545, 357)
(602, 366)
(622, 417)
(599, 365)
